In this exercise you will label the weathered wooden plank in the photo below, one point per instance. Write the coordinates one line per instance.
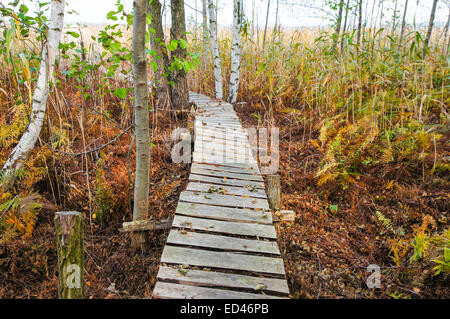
(227, 190)
(233, 163)
(229, 154)
(203, 127)
(223, 260)
(239, 149)
(213, 136)
(224, 200)
(222, 159)
(225, 227)
(218, 279)
(216, 167)
(224, 213)
(187, 238)
(164, 290)
(210, 172)
(225, 181)
(143, 225)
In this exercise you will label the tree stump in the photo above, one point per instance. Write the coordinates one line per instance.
(70, 235)
(274, 191)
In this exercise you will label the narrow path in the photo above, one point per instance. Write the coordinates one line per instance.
(222, 243)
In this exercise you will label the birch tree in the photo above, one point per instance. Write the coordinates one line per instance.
(402, 30)
(180, 92)
(265, 26)
(236, 50)
(344, 29)
(359, 23)
(141, 121)
(161, 87)
(205, 25)
(338, 23)
(215, 49)
(430, 24)
(27, 142)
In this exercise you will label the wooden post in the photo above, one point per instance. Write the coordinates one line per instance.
(70, 235)
(274, 191)
(138, 239)
(190, 125)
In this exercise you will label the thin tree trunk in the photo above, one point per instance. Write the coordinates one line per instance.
(338, 23)
(345, 25)
(430, 24)
(141, 121)
(402, 31)
(381, 13)
(215, 49)
(236, 51)
(394, 18)
(265, 26)
(276, 22)
(359, 24)
(180, 92)
(446, 30)
(26, 144)
(161, 88)
(205, 25)
(372, 25)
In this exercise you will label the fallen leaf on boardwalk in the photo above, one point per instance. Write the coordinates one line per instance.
(259, 287)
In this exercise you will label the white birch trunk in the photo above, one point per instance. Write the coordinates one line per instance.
(20, 153)
(141, 121)
(235, 51)
(215, 49)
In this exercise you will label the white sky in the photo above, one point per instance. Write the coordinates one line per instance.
(292, 13)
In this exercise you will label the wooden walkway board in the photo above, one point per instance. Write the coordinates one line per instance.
(247, 170)
(164, 290)
(224, 227)
(222, 259)
(228, 190)
(226, 181)
(222, 243)
(219, 279)
(224, 200)
(212, 172)
(187, 238)
(224, 213)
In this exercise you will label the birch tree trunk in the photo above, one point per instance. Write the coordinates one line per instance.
(394, 19)
(338, 24)
(215, 49)
(236, 51)
(26, 144)
(359, 24)
(446, 33)
(265, 26)
(402, 31)
(345, 25)
(180, 93)
(430, 24)
(205, 25)
(161, 88)
(141, 121)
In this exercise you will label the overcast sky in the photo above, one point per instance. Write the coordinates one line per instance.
(293, 13)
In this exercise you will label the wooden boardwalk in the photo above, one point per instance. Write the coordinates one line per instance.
(222, 243)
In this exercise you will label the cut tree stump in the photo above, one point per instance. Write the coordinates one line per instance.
(274, 191)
